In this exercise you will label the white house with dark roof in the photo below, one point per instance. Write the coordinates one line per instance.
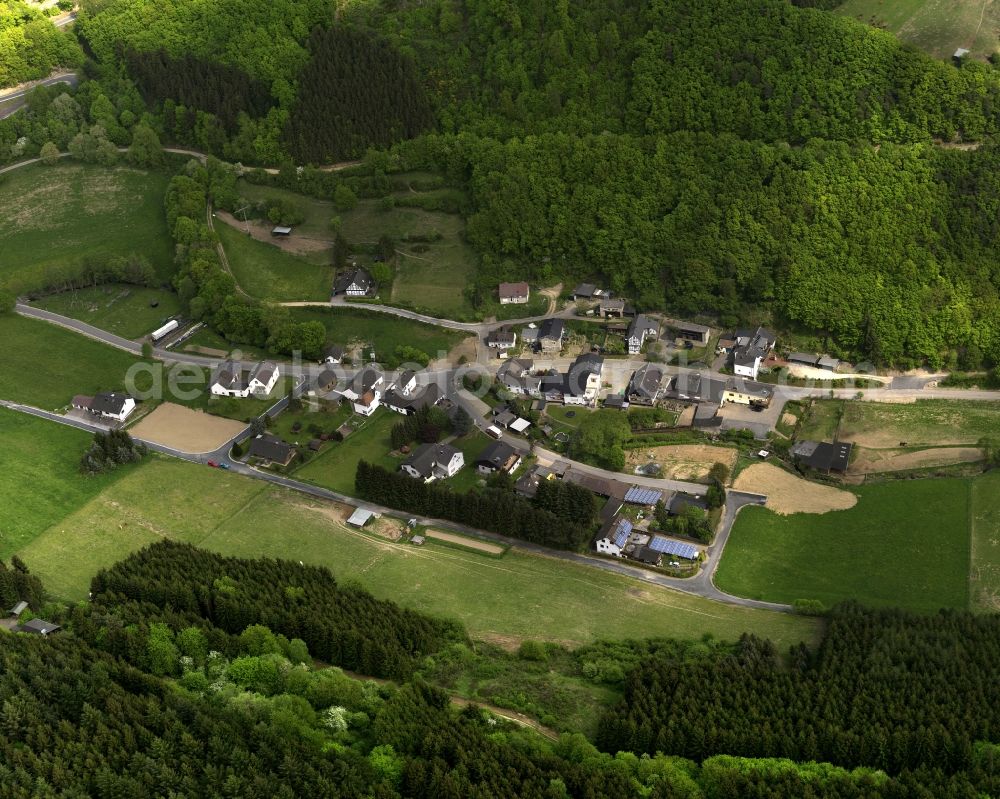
(583, 380)
(750, 350)
(503, 338)
(550, 335)
(640, 329)
(498, 457)
(108, 405)
(406, 383)
(231, 380)
(433, 462)
(356, 282)
(646, 386)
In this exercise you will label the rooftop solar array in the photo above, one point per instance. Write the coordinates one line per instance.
(668, 547)
(637, 495)
(622, 531)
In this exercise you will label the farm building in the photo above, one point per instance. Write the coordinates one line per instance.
(281, 231)
(356, 282)
(360, 517)
(691, 331)
(823, 456)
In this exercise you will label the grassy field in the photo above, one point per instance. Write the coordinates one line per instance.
(984, 576)
(384, 333)
(334, 468)
(938, 27)
(45, 365)
(40, 482)
(820, 420)
(430, 275)
(124, 310)
(921, 423)
(268, 273)
(50, 216)
(905, 543)
(518, 596)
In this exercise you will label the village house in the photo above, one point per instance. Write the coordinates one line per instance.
(231, 380)
(751, 348)
(583, 381)
(406, 383)
(641, 328)
(514, 293)
(271, 450)
(646, 386)
(333, 354)
(611, 308)
(365, 391)
(431, 462)
(356, 282)
(514, 375)
(550, 335)
(498, 456)
(108, 405)
(503, 338)
(408, 404)
(747, 392)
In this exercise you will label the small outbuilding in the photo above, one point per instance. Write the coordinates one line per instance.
(38, 627)
(360, 517)
(281, 230)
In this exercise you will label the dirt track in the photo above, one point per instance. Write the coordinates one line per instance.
(870, 460)
(788, 494)
(471, 543)
(186, 430)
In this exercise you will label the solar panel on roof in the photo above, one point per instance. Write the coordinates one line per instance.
(668, 547)
(639, 495)
(622, 531)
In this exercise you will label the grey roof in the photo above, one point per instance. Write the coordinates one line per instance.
(641, 325)
(264, 371)
(551, 329)
(824, 455)
(326, 378)
(37, 626)
(615, 401)
(406, 377)
(428, 457)
(647, 381)
(112, 402)
(359, 277)
(696, 386)
(505, 418)
(751, 387)
(421, 396)
(803, 357)
(826, 362)
(705, 410)
(334, 351)
(365, 380)
(751, 345)
(501, 335)
(575, 382)
(270, 448)
(612, 305)
(229, 375)
(647, 555)
(690, 327)
(19, 608)
(496, 455)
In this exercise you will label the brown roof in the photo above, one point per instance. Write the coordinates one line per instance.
(512, 290)
(367, 398)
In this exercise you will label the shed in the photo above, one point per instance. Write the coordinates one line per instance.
(519, 425)
(360, 517)
(281, 230)
(38, 627)
(803, 357)
(315, 445)
(417, 540)
(18, 609)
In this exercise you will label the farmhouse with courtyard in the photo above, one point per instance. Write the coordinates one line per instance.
(231, 380)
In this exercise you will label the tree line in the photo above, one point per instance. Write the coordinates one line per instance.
(885, 689)
(490, 509)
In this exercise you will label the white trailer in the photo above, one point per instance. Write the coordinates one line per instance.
(169, 327)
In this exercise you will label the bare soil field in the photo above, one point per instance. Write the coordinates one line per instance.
(787, 494)
(683, 461)
(872, 460)
(186, 430)
(461, 540)
(296, 243)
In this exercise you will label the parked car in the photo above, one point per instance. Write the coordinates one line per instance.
(223, 465)
(213, 464)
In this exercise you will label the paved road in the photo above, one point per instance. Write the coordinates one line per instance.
(18, 93)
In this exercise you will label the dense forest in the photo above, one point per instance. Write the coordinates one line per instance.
(356, 92)
(886, 689)
(31, 46)
(188, 673)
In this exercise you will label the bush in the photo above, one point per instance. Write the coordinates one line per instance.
(809, 607)
(533, 650)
